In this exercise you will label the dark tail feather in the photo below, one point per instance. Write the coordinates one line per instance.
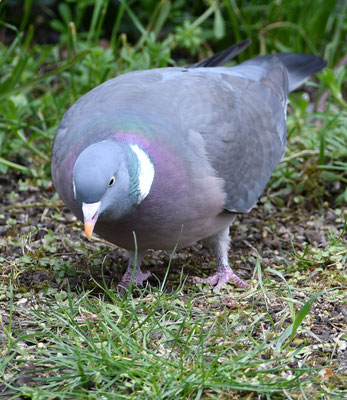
(299, 66)
(222, 57)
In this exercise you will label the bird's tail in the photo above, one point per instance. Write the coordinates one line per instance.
(299, 66)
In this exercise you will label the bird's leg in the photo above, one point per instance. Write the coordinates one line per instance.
(133, 275)
(219, 243)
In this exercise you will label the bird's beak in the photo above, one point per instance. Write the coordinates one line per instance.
(90, 215)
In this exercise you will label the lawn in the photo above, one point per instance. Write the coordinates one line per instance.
(64, 334)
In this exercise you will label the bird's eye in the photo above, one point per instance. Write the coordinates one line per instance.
(112, 181)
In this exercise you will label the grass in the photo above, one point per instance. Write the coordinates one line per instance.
(162, 345)
(65, 335)
(172, 339)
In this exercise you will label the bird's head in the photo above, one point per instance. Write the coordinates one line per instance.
(109, 178)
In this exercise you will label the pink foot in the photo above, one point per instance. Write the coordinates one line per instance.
(138, 280)
(223, 275)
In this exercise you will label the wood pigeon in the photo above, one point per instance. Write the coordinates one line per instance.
(171, 155)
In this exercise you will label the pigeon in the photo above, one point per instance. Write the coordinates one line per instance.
(167, 157)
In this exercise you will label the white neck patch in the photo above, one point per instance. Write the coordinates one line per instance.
(146, 171)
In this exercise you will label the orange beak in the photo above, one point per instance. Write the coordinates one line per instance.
(88, 228)
(90, 215)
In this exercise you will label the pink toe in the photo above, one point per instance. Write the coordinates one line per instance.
(224, 275)
(239, 282)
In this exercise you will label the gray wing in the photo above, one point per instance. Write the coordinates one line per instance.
(242, 120)
(252, 143)
(245, 134)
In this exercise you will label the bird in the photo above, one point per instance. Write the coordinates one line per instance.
(167, 157)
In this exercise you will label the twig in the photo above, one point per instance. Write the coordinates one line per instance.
(287, 394)
(301, 153)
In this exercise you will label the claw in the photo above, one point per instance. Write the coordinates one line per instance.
(223, 275)
(138, 280)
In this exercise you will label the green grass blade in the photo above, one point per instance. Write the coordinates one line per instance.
(14, 165)
(291, 330)
(99, 13)
(115, 29)
(136, 21)
(163, 14)
(27, 8)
